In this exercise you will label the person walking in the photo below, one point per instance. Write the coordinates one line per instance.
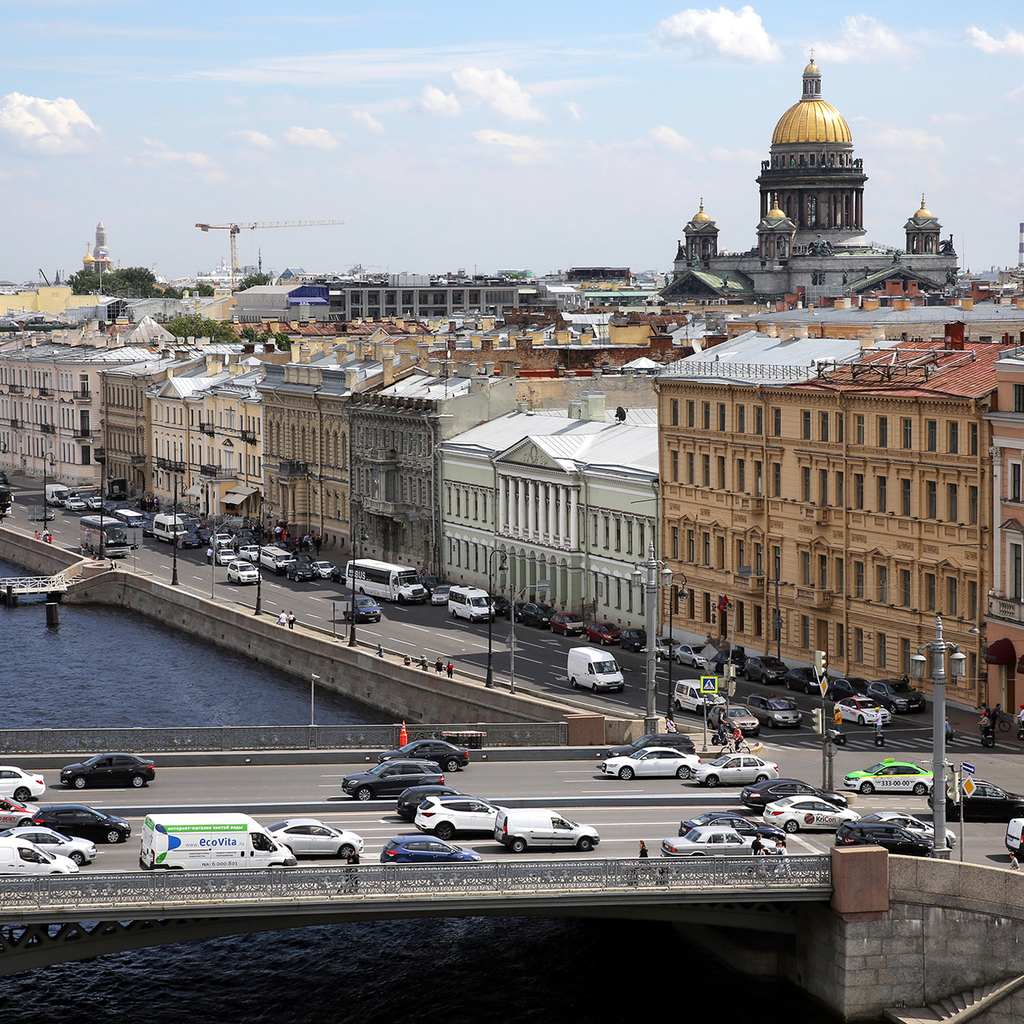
(450, 668)
(439, 666)
(380, 650)
(282, 619)
(782, 851)
(644, 852)
(670, 725)
(209, 555)
(318, 543)
(291, 620)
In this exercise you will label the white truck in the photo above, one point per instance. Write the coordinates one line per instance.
(203, 842)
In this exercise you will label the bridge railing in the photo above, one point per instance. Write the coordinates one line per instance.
(35, 584)
(138, 892)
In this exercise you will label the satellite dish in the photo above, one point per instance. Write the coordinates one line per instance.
(620, 414)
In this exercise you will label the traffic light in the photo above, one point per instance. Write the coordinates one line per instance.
(821, 663)
(818, 720)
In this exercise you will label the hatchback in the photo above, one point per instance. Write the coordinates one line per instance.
(420, 849)
(448, 816)
(567, 623)
(109, 770)
(323, 569)
(531, 614)
(603, 633)
(633, 640)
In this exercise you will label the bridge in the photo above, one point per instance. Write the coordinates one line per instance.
(13, 587)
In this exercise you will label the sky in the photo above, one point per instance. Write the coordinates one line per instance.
(481, 136)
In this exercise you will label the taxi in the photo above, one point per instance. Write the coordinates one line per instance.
(891, 776)
(804, 813)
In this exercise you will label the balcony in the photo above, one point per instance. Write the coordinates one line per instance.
(814, 597)
(48, 428)
(1006, 608)
(386, 508)
(207, 428)
(45, 392)
(15, 389)
(749, 503)
(752, 584)
(82, 434)
(291, 468)
(138, 460)
(16, 424)
(217, 472)
(381, 456)
(82, 395)
(248, 436)
(169, 465)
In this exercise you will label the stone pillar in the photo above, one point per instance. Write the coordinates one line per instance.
(531, 525)
(549, 492)
(521, 506)
(499, 506)
(563, 514)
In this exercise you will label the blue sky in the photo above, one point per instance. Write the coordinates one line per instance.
(487, 136)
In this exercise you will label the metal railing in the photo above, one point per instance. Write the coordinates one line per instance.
(708, 879)
(34, 584)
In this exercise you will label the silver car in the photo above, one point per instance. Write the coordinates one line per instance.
(774, 712)
(737, 715)
(81, 851)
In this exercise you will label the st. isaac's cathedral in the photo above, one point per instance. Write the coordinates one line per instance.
(810, 236)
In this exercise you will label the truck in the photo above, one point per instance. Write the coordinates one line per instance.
(211, 841)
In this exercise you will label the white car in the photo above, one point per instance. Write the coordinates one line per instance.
(249, 552)
(862, 710)
(448, 816)
(222, 540)
(225, 556)
(686, 655)
(911, 824)
(708, 841)
(323, 569)
(19, 784)
(805, 813)
(81, 851)
(242, 572)
(652, 761)
(735, 770)
(13, 813)
(439, 595)
(75, 504)
(310, 837)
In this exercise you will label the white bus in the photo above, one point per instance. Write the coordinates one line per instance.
(106, 537)
(382, 579)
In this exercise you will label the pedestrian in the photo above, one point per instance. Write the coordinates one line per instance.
(1014, 866)
(209, 556)
(439, 666)
(878, 725)
(1020, 717)
(782, 852)
(318, 543)
(450, 668)
(670, 725)
(721, 731)
(837, 718)
(380, 651)
(644, 852)
(291, 619)
(407, 660)
(277, 531)
(757, 847)
(423, 664)
(949, 731)
(351, 875)
(282, 619)
(37, 535)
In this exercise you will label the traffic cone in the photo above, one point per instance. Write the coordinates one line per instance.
(403, 736)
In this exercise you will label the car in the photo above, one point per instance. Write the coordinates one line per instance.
(204, 533)
(677, 740)
(806, 813)
(448, 816)
(430, 582)
(43, 513)
(501, 606)
(632, 639)
(310, 837)
(896, 695)
(224, 556)
(366, 609)
(81, 851)
(759, 796)
(75, 504)
(442, 753)
(439, 594)
(603, 633)
(85, 822)
(765, 668)
(687, 655)
(14, 814)
(146, 524)
(323, 568)
(890, 776)
(804, 680)
(242, 572)
(532, 614)
(301, 572)
(662, 648)
(567, 623)
(708, 841)
(409, 800)
(190, 539)
(222, 539)
(249, 552)
(986, 803)
(862, 710)
(735, 769)
(390, 778)
(108, 770)
(726, 819)
(734, 657)
(420, 849)
(94, 502)
(736, 715)
(19, 784)
(911, 824)
(774, 712)
(852, 686)
(892, 837)
(652, 762)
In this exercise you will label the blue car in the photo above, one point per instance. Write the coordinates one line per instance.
(421, 849)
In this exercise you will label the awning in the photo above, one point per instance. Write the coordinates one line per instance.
(232, 499)
(243, 491)
(195, 491)
(1001, 652)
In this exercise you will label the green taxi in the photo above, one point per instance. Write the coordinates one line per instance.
(890, 776)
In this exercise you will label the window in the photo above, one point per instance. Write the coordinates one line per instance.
(691, 414)
(675, 412)
(972, 501)
(882, 583)
(777, 562)
(758, 620)
(858, 426)
(858, 644)
(691, 548)
(952, 595)
(720, 465)
(758, 419)
(931, 433)
(905, 496)
(629, 537)
(952, 502)
(841, 576)
(840, 489)
(720, 552)
(618, 534)
(823, 572)
(806, 475)
(675, 467)
(823, 426)
(777, 422)
(741, 419)
(840, 641)
(675, 542)
(932, 501)
(741, 475)
(858, 579)
(1018, 397)
(972, 432)
(707, 548)
(758, 478)
(805, 632)
(840, 427)
(1016, 591)
(953, 436)
(883, 431)
(1015, 477)
(972, 599)
(882, 486)
(929, 591)
(858, 490)
(689, 467)
(721, 416)
(707, 415)
(905, 588)
(881, 652)
(806, 421)
(823, 487)
(777, 479)
(706, 466)
(908, 433)
(607, 533)
(805, 569)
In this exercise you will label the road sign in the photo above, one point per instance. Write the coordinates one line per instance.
(968, 768)
(709, 684)
(969, 786)
(823, 686)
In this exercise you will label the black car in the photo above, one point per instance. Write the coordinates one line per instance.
(803, 679)
(84, 822)
(675, 740)
(444, 754)
(108, 770)
(532, 614)
(735, 657)
(301, 571)
(429, 582)
(725, 819)
(986, 803)
(191, 540)
(390, 778)
(763, 793)
(895, 838)
(147, 526)
(765, 668)
(853, 686)
(410, 800)
(502, 607)
(633, 639)
(896, 695)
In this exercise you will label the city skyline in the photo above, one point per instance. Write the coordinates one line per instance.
(478, 141)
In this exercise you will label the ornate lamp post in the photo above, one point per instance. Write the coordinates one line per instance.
(174, 546)
(489, 683)
(100, 455)
(48, 460)
(266, 509)
(674, 593)
(657, 575)
(362, 538)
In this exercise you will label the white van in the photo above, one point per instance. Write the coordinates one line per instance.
(169, 527)
(1014, 835)
(469, 603)
(57, 494)
(521, 827)
(593, 669)
(20, 857)
(275, 558)
(209, 841)
(687, 697)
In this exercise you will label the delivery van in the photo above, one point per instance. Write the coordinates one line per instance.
(20, 857)
(209, 842)
(519, 828)
(169, 527)
(593, 669)
(469, 603)
(688, 697)
(57, 494)
(1015, 836)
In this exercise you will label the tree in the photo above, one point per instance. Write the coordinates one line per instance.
(204, 290)
(252, 281)
(192, 325)
(84, 282)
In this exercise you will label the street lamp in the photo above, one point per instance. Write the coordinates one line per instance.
(174, 534)
(938, 648)
(362, 538)
(489, 683)
(265, 509)
(674, 593)
(48, 460)
(100, 455)
(657, 575)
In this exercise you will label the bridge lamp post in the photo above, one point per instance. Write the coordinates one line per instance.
(100, 456)
(675, 591)
(489, 682)
(266, 509)
(362, 537)
(939, 648)
(651, 575)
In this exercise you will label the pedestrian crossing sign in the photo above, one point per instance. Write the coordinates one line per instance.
(709, 684)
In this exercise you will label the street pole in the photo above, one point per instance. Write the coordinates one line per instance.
(670, 710)
(312, 693)
(777, 623)
(489, 681)
(360, 537)
(646, 574)
(174, 534)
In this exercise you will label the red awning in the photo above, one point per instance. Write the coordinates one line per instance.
(1001, 652)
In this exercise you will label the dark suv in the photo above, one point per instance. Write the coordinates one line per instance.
(895, 838)
(896, 695)
(854, 686)
(389, 778)
(765, 668)
(531, 614)
(803, 679)
(445, 755)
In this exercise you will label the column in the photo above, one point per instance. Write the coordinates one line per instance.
(531, 502)
(563, 519)
(549, 492)
(521, 504)
(499, 506)
(574, 540)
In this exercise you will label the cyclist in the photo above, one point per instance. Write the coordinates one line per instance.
(737, 738)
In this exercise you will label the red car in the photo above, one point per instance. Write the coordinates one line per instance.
(603, 633)
(567, 623)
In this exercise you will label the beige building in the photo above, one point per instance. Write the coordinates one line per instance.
(853, 488)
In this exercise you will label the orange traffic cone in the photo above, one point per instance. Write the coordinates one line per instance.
(403, 736)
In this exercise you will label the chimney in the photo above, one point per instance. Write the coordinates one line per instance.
(800, 331)
(772, 330)
(967, 303)
(593, 406)
(870, 304)
(576, 409)
(434, 367)
(489, 369)
(522, 407)
(464, 368)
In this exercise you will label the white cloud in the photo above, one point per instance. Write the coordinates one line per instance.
(499, 91)
(742, 157)
(1012, 44)
(440, 104)
(574, 111)
(159, 153)
(524, 149)
(907, 140)
(255, 140)
(725, 33)
(311, 138)
(669, 138)
(864, 39)
(51, 127)
(368, 121)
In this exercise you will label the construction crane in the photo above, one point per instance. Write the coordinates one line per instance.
(235, 229)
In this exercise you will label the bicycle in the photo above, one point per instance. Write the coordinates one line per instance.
(1006, 721)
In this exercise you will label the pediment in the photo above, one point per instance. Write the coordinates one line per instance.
(528, 453)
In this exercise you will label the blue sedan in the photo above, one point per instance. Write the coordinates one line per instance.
(421, 849)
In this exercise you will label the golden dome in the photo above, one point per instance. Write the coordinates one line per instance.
(700, 215)
(87, 258)
(775, 213)
(923, 212)
(812, 68)
(813, 121)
